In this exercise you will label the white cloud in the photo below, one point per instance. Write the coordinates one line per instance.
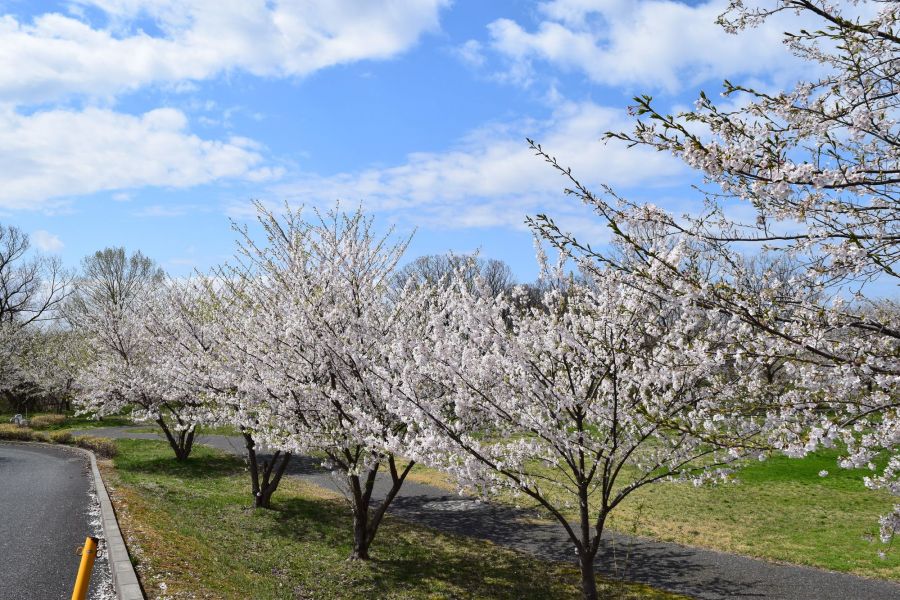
(46, 241)
(493, 179)
(56, 55)
(471, 53)
(46, 156)
(159, 210)
(648, 43)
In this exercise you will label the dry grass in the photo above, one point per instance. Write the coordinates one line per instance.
(103, 447)
(46, 421)
(9, 431)
(61, 437)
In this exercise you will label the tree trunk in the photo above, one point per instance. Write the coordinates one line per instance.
(182, 444)
(264, 485)
(263, 499)
(360, 496)
(588, 577)
(588, 545)
(361, 539)
(365, 525)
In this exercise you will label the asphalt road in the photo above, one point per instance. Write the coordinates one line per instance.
(45, 502)
(694, 572)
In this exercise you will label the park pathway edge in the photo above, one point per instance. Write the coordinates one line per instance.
(124, 577)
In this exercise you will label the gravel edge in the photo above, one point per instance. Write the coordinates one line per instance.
(124, 577)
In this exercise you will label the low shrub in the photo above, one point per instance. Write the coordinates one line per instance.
(61, 437)
(46, 421)
(103, 447)
(8, 431)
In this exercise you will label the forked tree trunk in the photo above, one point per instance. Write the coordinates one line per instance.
(180, 441)
(264, 483)
(365, 523)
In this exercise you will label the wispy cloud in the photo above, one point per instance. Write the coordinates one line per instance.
(46, 241)
(67, 54)
(163, 211)
(653, 44)
(491, 178)
(55, 154)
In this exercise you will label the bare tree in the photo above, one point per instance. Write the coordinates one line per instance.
(110, 279)
(30, 289)
(434, 268)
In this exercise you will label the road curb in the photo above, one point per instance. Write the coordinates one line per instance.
(124, 577)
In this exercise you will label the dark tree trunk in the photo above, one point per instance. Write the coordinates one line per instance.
(263, 484)
(360, 533)
(365, 524)
(588, 577)
(587, 549)
(181, 442)
(360, 497)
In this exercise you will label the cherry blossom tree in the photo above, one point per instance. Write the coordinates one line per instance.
(50, 359)
(15, 381)
(111, 305)
(32, 287)
(202, 331)
(818, 166)
(39, 366)
(601, 389)
(317, 325)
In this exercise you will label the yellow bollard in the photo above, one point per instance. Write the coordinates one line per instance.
(88, 554)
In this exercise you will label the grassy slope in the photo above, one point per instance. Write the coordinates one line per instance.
(780, 509)
(192, 532)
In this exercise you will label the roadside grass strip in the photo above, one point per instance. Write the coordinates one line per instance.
(192, 534)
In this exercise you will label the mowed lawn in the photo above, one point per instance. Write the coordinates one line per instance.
(70, 421)
(779, 509)
(192, 535)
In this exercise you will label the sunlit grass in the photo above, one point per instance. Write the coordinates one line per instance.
(779, 509)
(195, 537)
(73, 422)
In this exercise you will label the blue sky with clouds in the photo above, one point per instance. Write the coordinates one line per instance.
(150, 123)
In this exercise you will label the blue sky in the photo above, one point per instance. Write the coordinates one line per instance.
(150, 123)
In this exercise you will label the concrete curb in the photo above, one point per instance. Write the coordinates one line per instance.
(124, 577)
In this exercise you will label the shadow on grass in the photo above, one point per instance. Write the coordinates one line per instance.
(156, 458)
(408, 558)
(619, 559)
(89, 423)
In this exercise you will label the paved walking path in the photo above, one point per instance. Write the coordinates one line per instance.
(46, 514)
(695, 572)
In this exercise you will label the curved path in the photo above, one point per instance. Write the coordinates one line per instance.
(695, 572)
(46, 513)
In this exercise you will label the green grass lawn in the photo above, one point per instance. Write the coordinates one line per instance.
(85, 422)
(193, 535)
(151, 427)
(75, 423)
(780, 509)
